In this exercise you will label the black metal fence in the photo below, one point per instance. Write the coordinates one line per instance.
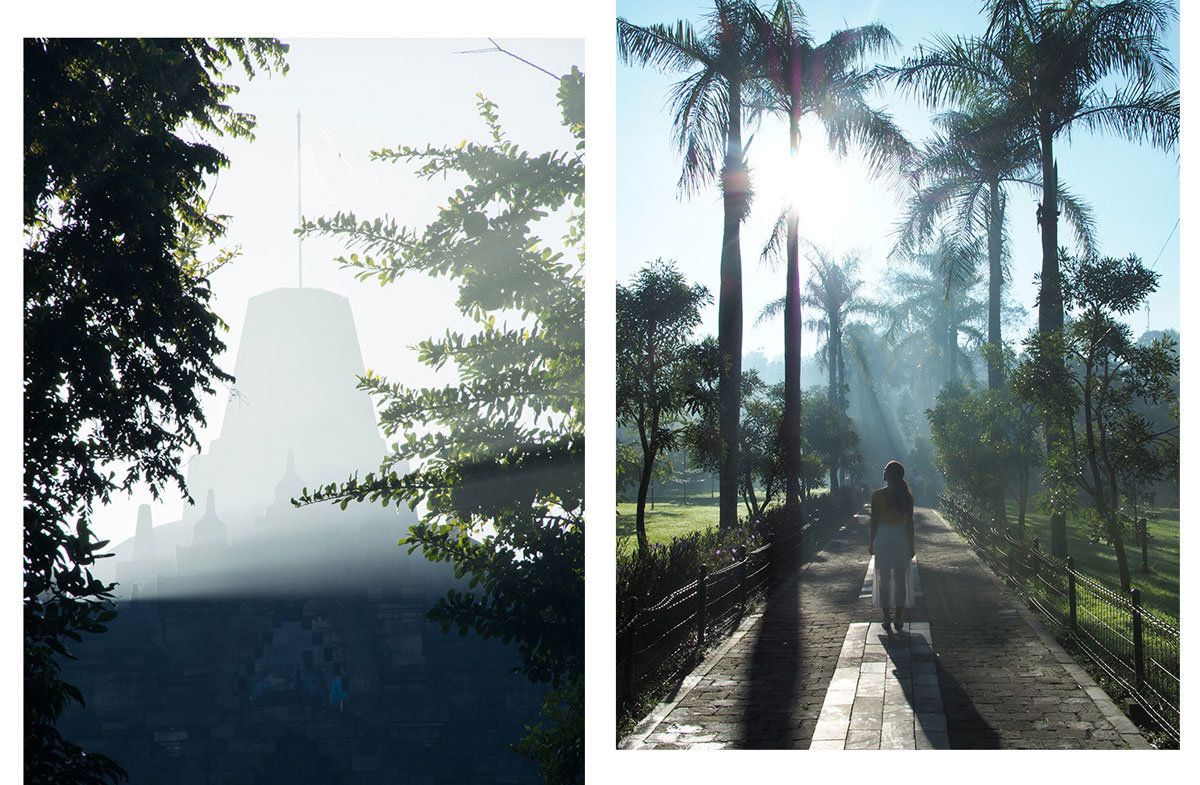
(660, 642)
(1137, 650)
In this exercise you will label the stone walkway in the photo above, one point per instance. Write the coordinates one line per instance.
(813, 668)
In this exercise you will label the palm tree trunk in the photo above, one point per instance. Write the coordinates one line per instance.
(834, 484)
(1050, 307)
(995, 273)
(729, 312)
(792, 326)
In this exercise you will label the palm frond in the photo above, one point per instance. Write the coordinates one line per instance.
(661, 47)
(773, 249)
(1135, 115)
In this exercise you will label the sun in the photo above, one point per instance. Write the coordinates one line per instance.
(814, 180)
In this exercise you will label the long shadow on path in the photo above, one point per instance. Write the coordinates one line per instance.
(796, 648)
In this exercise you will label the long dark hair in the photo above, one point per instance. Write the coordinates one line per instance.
(899, 494)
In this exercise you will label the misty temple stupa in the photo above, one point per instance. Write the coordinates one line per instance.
(199, 679)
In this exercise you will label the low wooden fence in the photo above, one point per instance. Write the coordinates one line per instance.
(1137, 650)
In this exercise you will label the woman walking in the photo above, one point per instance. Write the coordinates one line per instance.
(893, 546)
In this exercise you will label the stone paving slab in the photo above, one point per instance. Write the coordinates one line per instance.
(900, 708)
(999, 680)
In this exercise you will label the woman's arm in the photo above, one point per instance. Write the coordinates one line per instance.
(908, 529)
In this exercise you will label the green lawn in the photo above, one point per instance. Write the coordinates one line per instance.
(668, 519)
(1159, 587)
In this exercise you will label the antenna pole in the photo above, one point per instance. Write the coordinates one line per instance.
(299, 212)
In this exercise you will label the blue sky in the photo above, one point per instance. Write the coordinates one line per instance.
(1133, 188)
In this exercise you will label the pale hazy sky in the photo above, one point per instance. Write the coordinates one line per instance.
(1133, 189)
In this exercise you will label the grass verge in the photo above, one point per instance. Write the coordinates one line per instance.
(1159, 586)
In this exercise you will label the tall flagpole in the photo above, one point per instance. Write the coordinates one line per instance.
(299, 213)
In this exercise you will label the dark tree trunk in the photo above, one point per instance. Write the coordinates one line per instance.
(643, 490)
(792, 325)
(1114, 534)
(834, 484)
(1050, 306)
(995, 279)
(729, 313)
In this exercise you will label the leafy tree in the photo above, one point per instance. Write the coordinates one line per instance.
(759, 453)
(501, 452)
(761, 447)
(119, 337)
(1110, 449)
(656, 315)
(986, 443)
(829, 433)
(708, 109)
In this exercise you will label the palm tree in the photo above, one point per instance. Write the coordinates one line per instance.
(936, 310)
(963, 170)
(1049, 60)
(823, 81)
(833, 292)
(708, 112)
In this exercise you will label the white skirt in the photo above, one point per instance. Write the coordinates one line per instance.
(893, 583)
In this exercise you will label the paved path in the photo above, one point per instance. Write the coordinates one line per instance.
(814, 669)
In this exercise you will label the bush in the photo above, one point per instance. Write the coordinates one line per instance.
(668, 567)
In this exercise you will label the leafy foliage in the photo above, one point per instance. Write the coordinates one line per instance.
(1050, 66)
(500, 453)
(985, 443)
(1108, 450)
(119, 337)
(656, 314)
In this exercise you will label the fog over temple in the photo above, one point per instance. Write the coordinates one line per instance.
(294, 419)
(259, 643)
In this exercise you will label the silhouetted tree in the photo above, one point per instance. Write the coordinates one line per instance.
(823, 81)
(1111, 450)
(964, 170)
(119, 337)
(708, 113)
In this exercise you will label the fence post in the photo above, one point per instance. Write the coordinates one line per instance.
(1012, 559)
(1035, 562)
(1139, 664)
(702, 598)
(625, 649)
(742, 577)
(1071, 589)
